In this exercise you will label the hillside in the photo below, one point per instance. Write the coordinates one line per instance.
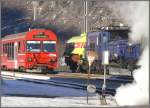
(64, 17)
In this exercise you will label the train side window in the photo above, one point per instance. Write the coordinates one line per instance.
(12, 55)
(3, 49)
(23, 46)
(12, 51)
(8, 50)
(19, 47)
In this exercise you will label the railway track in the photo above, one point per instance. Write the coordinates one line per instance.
(109, 91)
(113, 78)
(66, 82)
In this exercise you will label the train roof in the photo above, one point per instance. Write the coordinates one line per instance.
(14, 36)
(21, 35)
(110, 28)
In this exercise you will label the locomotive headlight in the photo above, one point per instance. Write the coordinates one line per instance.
(121, 24)
(115, 54)
(29, 59)
(130, 44)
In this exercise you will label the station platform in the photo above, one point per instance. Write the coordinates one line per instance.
(78, 75)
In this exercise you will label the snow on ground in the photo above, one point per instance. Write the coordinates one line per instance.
(28, 94)
(50, 102)
(29, 88)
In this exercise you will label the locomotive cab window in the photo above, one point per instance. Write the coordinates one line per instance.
(33, 46)
(70, 46)
(49, 46)
(118, 34)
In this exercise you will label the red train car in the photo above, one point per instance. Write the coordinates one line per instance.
(35, 50)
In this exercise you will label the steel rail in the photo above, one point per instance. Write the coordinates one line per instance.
(110, 91)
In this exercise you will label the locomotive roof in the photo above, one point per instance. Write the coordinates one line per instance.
(115, 28)
(109, 28)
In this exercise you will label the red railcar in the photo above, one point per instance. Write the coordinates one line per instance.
(35, 50)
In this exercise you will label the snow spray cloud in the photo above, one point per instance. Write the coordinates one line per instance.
(136, 15)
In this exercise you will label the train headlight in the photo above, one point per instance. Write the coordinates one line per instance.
(53, 60)
(52, 55)
(29, 59)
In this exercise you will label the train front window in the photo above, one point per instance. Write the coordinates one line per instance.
(33, 46)
(49, 46)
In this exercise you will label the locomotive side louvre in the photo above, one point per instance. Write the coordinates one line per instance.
(16, 52)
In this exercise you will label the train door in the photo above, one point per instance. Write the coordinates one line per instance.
(105, 36)
(15, 55)
(104, 40)
(92, 42)
(93, 46)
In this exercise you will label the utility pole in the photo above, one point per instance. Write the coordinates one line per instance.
(85, 31)
(85, 16)
(35, 5)
(105, 62)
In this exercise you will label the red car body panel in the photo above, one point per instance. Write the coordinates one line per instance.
(15, 55)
